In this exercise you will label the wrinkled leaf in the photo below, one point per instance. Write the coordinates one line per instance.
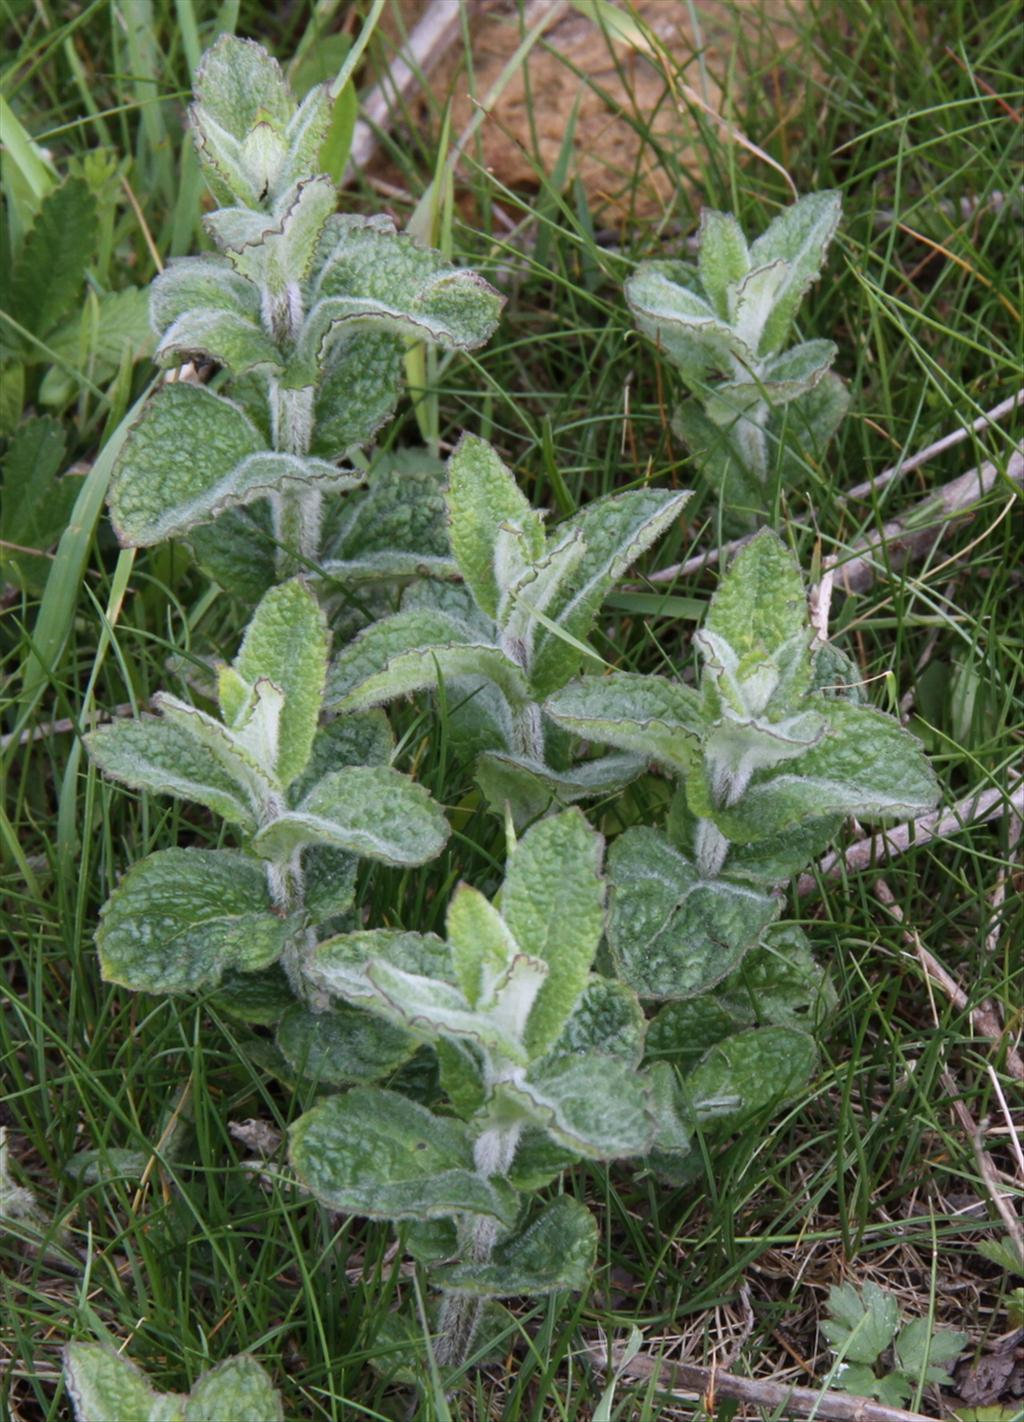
(556, 1250)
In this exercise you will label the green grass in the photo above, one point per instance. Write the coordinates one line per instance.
(869, 1174)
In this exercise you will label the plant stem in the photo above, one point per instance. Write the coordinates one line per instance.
(461, 1313)
(287, 892)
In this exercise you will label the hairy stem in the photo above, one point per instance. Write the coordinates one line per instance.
(460, 1313)
(287, 892)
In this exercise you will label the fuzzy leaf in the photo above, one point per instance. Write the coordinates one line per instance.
(237, 1389)
(397, 528)
(480, 941)
(163, 758)
(803, 428)
(368, 810)
(286, 643)
(683, 1031)
(672, 933)
(800, 236)
(435, 1009)
(683, 325)
(206, 283)
(553, 903)
(339, 964)
(231, 752)
(375, 1153)
(180, 918)
(104, 1385)
(723, 259)
(556, 1250)
(359, 382)
(343, 1046)
(594, 1104)
(753, 302)
(607, 1018)
(530, 787)
(361, 739)
(779, 982)
(237, 86)
(744, 1073)
(192, 454)
(760, 603)
(649, 715)
(223, 337)
(381, 665)
(273, 249)
(615, 530)
(866, 765)
(237, 551)
(482, 495)
(47, 275)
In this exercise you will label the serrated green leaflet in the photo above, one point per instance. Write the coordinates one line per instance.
(180, 918)
(482, 494)
(377, 1154)
(556, 1250)
(647, 715)
(286, 643)
(553, 903)
(368, 810)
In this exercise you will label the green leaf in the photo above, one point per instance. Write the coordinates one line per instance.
(607, 1018)
(104, 1385)
(237, 550)
(235, 342)
(240, 754)
(483, 495)
(553, 903)
(343, 1046)
(556, 1250)
(779, 982)
(683, 1031)
(107, 329)
(35, 504)
(339, 964)
(238, 86)
(673, 933)
(180, 918)
(530, 787)
(683, 324)
(286, 643)
(802, 429)
(192, 454)
(259, 998)
(723, 259)
(412, 651)
(753, 301)
(615, 531)
(927, 1355)
(278, 248)
(760, 603)
(744, 1073)
(648, 715)
(47, 275)
(207, 283)
(163, 758)
(237, 1389)
(594, 1104)
(862, 1323)
(397, 528)
(775, 859)
(375, 1153)
(800, 236)
(480, 941)
(359, 382)
(866, 765)
(368, 810)
(364, 738)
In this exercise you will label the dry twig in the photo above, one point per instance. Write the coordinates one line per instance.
(783, 1399)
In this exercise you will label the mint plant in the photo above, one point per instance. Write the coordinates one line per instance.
(770, 751)
(879, 1358)
(304, 802)
(760, 411)
(512, 634)
(540, 1060)
(306, 312)
(105, 1386)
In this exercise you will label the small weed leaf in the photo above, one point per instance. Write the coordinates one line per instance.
(556, 1250)
(748, 1071)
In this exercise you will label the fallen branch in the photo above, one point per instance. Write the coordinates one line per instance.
(919, 529)
(428, 40)
(897, 839)
(955, 437)
(784, 1400)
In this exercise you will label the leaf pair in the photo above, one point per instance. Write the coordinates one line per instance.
(516, 631)
(723, 324)
(302, 798)
(105, 1385)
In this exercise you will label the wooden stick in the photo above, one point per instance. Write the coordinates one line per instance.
(924, 523)
(897, 839)
(879, 481)
(782, 1398)
(428, 40)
